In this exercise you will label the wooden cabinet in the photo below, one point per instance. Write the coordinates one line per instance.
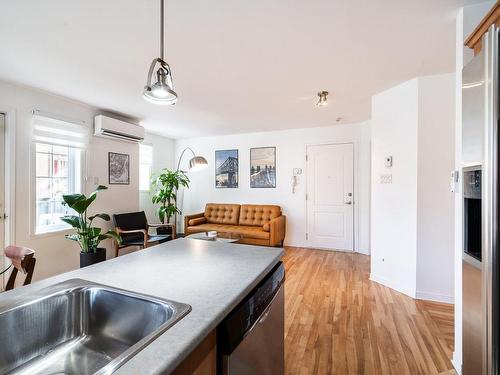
(202, 360)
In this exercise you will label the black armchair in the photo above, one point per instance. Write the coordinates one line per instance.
(133, 228)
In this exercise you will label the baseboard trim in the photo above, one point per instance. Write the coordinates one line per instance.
(435, 297)
(391, 284)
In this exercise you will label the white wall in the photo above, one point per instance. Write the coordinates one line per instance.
(467, 19)
(163, 157)
(435, 223)
(412, 218)
(394, 206)
(290, 153)
(54, 253)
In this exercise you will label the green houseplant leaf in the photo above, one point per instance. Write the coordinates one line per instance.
(104, 217)
(87, 236)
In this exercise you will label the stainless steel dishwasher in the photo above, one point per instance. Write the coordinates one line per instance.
(251, 338)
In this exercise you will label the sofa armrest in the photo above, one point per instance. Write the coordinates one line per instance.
(188, 218)
(277, 229)
(197, 221)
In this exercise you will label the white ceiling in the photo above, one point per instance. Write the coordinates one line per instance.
(239, 66)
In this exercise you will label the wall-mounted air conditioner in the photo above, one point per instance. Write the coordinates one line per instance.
(112, 128)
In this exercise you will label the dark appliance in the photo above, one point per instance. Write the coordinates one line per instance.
(250, 340)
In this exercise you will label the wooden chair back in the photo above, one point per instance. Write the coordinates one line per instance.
(131, 221)
(23, 259)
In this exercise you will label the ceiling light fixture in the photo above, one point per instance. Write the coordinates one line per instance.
(161, 91)
(323, 100)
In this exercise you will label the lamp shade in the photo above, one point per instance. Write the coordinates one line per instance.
(161, 91)
(197, 163)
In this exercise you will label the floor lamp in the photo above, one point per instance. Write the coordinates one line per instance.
(196, 163)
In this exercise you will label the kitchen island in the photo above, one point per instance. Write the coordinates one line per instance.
(212, 277)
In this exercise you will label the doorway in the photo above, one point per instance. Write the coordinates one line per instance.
(2, 192)
(330, 196)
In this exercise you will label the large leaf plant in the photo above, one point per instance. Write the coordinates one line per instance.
(87, 236)
(166, 185)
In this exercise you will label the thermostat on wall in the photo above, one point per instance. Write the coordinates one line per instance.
(388, 161)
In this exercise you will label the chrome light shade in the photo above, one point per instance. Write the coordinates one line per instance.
(197, 163)
(161, 91)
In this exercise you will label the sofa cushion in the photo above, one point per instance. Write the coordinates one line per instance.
(222, 213)
(242, 230)
(258, 215)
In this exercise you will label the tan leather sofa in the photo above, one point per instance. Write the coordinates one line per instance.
(255, 224)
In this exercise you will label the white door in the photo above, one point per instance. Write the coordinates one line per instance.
(330, 200)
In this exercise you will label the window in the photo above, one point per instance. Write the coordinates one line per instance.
(145, 166)
(58, 172)
(58, 148)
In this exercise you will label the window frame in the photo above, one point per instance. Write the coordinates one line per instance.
(63, 228)
(150, 166)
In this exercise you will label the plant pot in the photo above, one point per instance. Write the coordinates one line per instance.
(164, 230)
(87, 259)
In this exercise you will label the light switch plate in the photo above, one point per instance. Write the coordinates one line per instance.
(386, 179)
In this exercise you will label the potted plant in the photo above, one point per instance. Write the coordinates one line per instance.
(87, 236)
(166, 185)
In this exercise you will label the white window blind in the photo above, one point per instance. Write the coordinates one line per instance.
(59, 132)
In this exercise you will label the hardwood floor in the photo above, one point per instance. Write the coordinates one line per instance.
(337, 321)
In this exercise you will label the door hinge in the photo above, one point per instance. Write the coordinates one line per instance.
(307, 157)
(307, 236)
(307, 196)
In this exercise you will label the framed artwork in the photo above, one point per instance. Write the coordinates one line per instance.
(226, 168)
(118, 168)
(263, 167)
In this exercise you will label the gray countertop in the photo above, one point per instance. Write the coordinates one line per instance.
(212, 277)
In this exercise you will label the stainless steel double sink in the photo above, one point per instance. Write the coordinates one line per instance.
(80, 327)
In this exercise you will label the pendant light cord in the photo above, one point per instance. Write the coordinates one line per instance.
(162, 29)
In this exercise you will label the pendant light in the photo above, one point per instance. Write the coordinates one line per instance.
(323, 98)
(161, 91)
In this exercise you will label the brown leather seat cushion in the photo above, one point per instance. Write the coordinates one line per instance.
(242, 230)
(222, 213)
(257, 214)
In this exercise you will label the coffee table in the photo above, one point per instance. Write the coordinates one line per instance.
(221, 237)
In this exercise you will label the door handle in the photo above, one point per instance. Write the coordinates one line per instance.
(348, 202)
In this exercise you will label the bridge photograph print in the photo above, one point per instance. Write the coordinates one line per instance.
(263, 167)
(226, 168)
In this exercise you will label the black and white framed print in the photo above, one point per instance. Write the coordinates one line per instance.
(263, 167)
(226, 168)
(118, 168)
